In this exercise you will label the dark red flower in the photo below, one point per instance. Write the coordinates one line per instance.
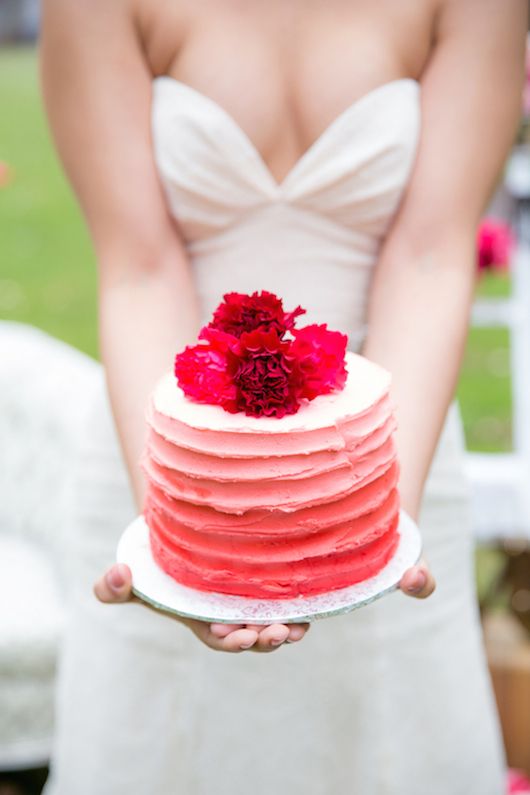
(239, 313)
(320, 356)
(265, 374)
(202, 372)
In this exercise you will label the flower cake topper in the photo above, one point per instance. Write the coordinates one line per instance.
(253, 359)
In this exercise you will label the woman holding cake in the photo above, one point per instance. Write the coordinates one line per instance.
(338, 155)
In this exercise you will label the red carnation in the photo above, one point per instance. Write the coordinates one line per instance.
(320, 355)
(202, 372)
(265, 374)
(245, 364)
(239, 313)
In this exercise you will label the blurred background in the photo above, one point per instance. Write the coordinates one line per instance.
(48, 297)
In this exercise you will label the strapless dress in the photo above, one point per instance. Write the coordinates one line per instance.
(391, 699)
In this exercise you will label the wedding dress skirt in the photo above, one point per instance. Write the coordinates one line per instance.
(391, 699)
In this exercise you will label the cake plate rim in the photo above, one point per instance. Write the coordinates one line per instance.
(160, 591)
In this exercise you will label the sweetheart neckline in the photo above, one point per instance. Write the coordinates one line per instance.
(275, 184)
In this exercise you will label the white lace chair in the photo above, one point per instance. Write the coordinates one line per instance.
(44, 388)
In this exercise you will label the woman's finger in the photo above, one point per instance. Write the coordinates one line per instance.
(222, 630)
(267, 638)
(418, 581)
(236, 641)
(257, 627)
(115, 585)
(241, 639)
(271, 637)
(297, 632)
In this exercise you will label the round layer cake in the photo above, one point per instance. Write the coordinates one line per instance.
(274, 507)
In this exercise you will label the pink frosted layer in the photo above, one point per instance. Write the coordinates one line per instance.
(274, 508)
(274, 524)
(280, 581)
(345, 433)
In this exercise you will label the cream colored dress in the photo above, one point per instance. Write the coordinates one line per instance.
(392, 699)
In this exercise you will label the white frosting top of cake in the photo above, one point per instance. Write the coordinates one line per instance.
(367, 383)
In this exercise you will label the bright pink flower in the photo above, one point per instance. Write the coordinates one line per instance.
(320, 356)
(202, 373)
(265, 374)
(495, 243)
(239, 313)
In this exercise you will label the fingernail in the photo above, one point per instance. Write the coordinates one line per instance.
(276, 641)
(115, 578)
(246, 645)
(421, 581)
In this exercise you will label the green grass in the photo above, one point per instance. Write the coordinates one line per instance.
(47, 269)
(494, 285)
(47, 272)
(484, 391)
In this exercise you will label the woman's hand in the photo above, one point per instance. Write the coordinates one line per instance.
(116, 586)
(418, 581)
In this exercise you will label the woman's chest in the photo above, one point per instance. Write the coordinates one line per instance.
(285, 69)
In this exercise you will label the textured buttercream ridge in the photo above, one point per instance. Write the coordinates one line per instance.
(254, 468)
(282, 497)
(343, 434)
(257, 550)
(272, 522)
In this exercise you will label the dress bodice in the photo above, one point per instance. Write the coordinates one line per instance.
(311, 238)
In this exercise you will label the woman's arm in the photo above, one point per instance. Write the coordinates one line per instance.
(97, 91)
(423, 284)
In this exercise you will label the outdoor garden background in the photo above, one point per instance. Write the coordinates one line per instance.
(48, 279)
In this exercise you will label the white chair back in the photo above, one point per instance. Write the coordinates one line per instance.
(501, 481)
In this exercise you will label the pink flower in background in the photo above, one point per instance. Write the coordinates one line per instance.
(5, 174)
(495, 242)
(517, 783)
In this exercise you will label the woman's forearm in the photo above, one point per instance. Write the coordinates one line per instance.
(145, 317)
(418, 321)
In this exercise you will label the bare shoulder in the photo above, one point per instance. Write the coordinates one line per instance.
(87, 36)
(478, 58)
(483, 12)
(471, 95)
(87, 17)
(97, 89)
(98, 27)
(484, 32)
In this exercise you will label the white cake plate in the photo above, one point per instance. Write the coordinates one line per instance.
(161, 591)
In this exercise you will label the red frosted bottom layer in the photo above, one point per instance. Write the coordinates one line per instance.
(279, 580)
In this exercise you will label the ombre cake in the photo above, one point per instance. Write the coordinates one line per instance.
(274, 506)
